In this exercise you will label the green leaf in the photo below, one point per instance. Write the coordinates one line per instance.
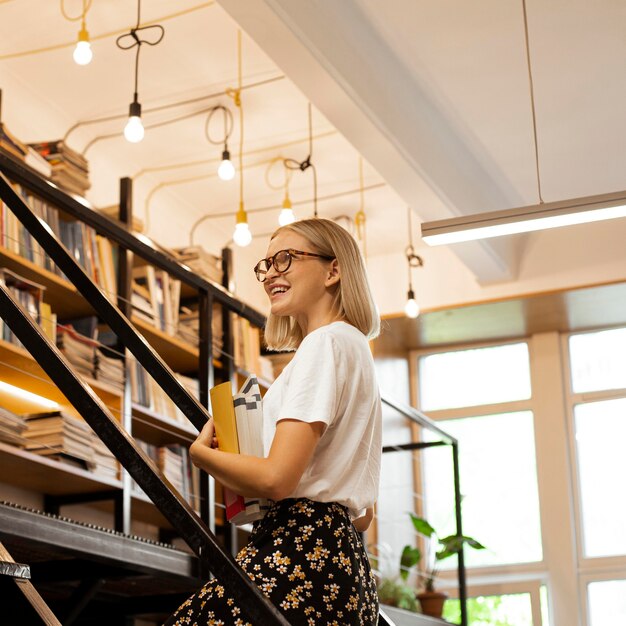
(422, 526)
(410, 556)
(474, 544)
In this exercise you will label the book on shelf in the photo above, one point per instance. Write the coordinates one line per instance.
(59, 435)
(78, 341)
(174, 463)
(238, 428)
(189, 327)
(70, 169)
(93, 252)
(28, 294)
(12, 427)
(201, 262)
(162, 292)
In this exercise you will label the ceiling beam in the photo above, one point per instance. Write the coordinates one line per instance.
(334, 54)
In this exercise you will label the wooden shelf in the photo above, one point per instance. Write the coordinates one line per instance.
(179, 355)
(19, 368)
(62, 296)
(160, 430)
(37, 473)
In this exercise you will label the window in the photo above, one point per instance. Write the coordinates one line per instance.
(504, 610)
(466, 378)
(498, 485)
(600, 436)
(607, 603)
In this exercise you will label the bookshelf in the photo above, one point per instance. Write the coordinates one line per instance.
(19, 368)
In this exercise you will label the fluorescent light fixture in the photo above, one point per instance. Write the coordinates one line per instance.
(525, 219)
(27, 395)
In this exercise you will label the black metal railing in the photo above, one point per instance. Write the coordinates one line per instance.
(423, 421)
(191, 528)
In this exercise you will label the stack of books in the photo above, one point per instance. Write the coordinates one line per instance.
(202, 263)
(58, 435)
(12, 428)
(10, 144)
(70, 169)
(239, 429)
(109, 370)
(189, 327)
(157, 297)
(173, 461)
(105, 463)
(79, 350)
(28, 293)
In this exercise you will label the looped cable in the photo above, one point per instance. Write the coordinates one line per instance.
(228, 124)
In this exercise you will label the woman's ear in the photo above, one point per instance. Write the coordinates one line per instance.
(334, 275)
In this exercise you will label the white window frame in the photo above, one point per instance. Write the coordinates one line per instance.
(553, 436)
(590, 569)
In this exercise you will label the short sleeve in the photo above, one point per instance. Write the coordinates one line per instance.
(314, 384)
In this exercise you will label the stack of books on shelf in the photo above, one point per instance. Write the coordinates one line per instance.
(201, 262)
(105, 463)
(157, 297)
(108, 369)
(60, 436)
(189, 327)
(247, 348)
(173, 461)
(70, 169)
(78, 349)
(12, 428)
(145, 392)
(12, 145)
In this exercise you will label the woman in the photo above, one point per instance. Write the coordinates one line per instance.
(322, 439)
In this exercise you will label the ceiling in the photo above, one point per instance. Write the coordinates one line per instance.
(434, 94)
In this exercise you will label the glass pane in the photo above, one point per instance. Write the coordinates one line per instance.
(598, 360)
(600, 435)
(545, 609)
(471, 377)
(607, 603)
(505, 610)
(498, 486)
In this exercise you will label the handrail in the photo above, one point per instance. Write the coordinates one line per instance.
(22, 174)
(178, 512)
(418, 418)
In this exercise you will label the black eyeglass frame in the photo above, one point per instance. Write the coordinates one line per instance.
(291, 253)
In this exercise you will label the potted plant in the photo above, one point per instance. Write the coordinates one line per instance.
(430, 599)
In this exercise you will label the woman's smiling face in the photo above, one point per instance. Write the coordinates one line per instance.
(301, 291)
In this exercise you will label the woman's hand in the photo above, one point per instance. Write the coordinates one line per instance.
(207, 435)
(205, 439)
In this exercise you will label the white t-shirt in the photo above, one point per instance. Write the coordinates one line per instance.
(331, 379)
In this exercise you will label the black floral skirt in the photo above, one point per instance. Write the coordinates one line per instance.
(308, 559)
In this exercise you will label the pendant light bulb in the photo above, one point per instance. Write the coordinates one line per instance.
(286, 214)
(411, 308)
(134, 131)
(82, 52)
(242, 235)
(226, 169)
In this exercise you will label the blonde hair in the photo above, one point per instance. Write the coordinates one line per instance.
(353, 300)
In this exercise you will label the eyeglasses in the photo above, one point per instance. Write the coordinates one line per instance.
(282, 262)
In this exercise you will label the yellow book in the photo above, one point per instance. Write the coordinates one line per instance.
(226, 433)
(224, 417)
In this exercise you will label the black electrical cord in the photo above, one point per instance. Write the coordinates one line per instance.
(304, 165)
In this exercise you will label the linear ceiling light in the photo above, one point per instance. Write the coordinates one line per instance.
(525, 219)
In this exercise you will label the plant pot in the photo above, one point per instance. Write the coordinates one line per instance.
(432, 602)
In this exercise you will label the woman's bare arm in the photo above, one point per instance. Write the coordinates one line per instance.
(274, 477)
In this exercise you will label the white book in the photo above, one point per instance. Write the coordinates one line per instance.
(249, 417)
